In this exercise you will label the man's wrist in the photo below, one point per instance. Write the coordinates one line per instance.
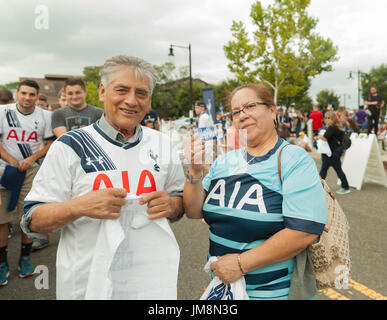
(177, 209)
(35, 157)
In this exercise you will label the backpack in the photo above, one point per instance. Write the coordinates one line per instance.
(346, 142)
(330, 254)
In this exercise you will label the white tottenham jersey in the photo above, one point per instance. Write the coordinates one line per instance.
(87, 159)
(205, 120)
(22, 134)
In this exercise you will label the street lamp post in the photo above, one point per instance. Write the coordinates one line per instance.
(190, 70)
(346, 96)
(359, 75)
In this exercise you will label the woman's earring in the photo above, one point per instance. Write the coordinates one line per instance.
(275, 123)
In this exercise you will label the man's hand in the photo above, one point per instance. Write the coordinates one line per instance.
(13, 162)
(160, 205)
(102, 204)
(27, 163)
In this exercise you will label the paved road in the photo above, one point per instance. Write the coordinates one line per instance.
(366, 212)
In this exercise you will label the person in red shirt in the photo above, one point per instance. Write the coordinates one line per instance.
(317, 117)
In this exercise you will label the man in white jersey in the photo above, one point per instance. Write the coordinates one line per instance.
(204, 120)
(23, 127)
(114, 184)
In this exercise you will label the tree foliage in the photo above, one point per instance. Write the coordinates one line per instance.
(10, 85)
(376, 77)
(326, 97)
(223, 90)
(92, 80)
(93, 94)
(284, 53)
(91, 74)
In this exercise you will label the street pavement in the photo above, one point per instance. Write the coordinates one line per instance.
(365, 210)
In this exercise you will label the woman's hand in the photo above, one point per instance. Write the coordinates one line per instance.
(321, 138)
(194, 153)
(227, 268)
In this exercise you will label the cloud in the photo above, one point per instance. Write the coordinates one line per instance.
(83, 33)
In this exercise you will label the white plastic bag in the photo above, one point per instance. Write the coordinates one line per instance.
(323, 147)
(217, 290)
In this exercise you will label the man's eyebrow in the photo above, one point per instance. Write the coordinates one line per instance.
(124, 86)
(26, 92)
(119, 85)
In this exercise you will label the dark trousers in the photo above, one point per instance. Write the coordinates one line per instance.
(373, 121)
(335, 162)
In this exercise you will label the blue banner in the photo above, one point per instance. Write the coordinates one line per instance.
(209, 99)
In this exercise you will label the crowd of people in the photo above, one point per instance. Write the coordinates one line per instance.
(112, 183)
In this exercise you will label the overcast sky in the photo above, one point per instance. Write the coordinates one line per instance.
(83, 32)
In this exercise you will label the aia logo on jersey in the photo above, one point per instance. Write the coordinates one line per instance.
(146, 182)
(154, 157)
(23, 137)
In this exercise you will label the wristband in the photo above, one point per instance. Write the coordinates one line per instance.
(194, 181)
(239, 264)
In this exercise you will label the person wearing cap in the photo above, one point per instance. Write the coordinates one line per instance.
(151, 117)
(204, 120)
(23, 127)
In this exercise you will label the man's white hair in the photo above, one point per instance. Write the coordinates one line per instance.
(140, 67)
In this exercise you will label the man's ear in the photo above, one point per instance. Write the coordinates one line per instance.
(101, 92)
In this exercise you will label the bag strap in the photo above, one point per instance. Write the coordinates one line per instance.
(322, 181)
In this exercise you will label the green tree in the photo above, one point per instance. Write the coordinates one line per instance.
(182, 97)
(91, 74)
(285, 51)
(10, 85)
(171, 93)
(305, 103)
(223, 90)
(376, 77)
(325, 97)
(93, 94)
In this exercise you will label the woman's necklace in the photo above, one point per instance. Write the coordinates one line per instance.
(240, 166)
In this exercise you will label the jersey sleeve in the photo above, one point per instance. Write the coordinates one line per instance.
(174, 183)
(53, 182)
(304, 205)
